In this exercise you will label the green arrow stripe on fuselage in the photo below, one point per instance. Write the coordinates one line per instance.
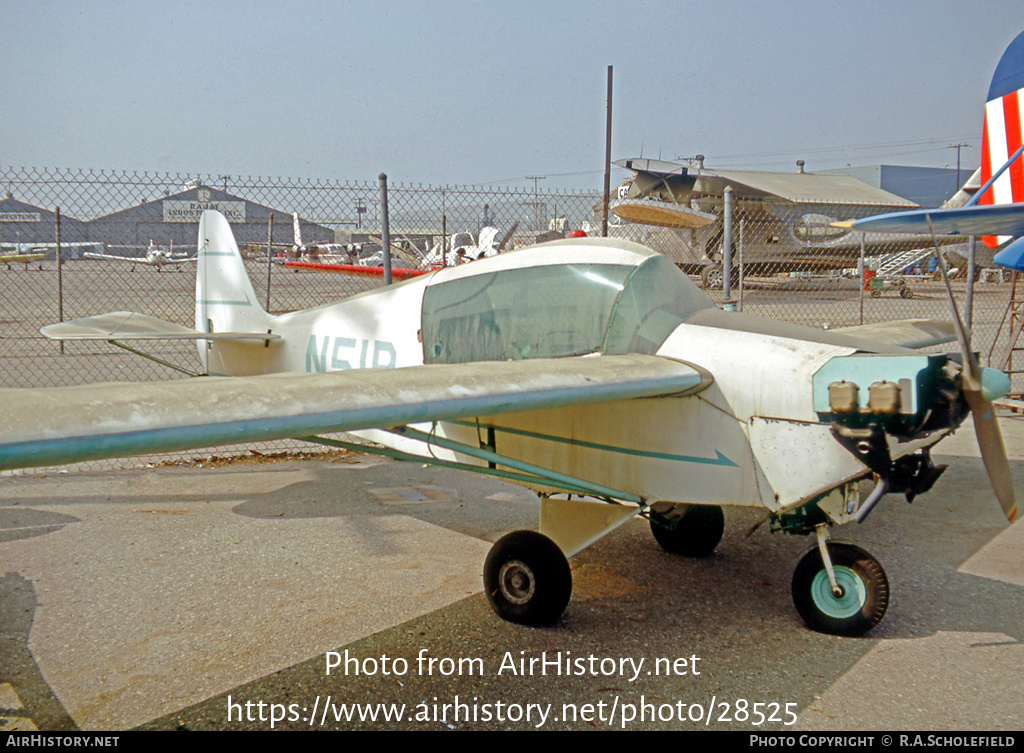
(719, 458)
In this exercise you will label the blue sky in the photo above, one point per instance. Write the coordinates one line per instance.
(488, 93)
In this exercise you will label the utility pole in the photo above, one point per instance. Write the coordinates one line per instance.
(607, 158)
(536, 202)
(958, 147)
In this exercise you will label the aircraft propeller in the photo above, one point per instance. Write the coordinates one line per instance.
(980, 387)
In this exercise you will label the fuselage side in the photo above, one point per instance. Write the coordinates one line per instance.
(754, 437)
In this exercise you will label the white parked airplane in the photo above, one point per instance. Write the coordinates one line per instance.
(156, 256)
(591, 370)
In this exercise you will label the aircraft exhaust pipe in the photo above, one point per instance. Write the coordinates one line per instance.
(876, 494)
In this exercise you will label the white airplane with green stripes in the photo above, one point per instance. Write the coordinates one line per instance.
(590, 370)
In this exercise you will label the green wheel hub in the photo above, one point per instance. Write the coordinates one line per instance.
(864, 590)
(839, 607)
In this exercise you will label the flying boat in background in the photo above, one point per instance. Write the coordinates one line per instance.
(787, 219)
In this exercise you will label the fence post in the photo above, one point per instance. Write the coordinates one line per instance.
(385, 230)
(444, 231)
(739, 264)
(969, 303)
(607, 159)
(60, 273)
(270, 251)
(860, 278)
(727, 246)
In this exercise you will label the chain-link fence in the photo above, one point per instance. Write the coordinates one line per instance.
(789, 263)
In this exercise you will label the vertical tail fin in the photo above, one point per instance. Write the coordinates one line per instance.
(1004, 131)
(225, 298)
(297, 230)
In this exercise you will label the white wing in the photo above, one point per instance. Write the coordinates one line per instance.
(72, 424)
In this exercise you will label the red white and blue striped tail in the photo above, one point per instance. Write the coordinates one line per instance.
(1004, 132)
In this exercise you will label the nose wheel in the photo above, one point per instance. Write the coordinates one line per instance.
(854, 604)
(527, 578)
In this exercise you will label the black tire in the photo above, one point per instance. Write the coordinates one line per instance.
(695, 534)
(527, 578)
(863, 602)
(711, 277)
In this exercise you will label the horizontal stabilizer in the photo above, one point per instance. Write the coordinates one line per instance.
(55, 426)
(909, 333)
(125, 325)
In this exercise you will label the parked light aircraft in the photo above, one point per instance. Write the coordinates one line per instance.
(348, 258)
(20, 258)
(156, 256)
(314, 252)
(590, 370)
(34, 251)
(463, 248)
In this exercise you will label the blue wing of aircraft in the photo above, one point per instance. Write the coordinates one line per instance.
(991, 219)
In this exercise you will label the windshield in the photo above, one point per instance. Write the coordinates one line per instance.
(656, 299)
(556, 310)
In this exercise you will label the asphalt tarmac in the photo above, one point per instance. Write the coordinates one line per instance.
(216, 598)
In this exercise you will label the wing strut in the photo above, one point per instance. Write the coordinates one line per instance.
(522, 472)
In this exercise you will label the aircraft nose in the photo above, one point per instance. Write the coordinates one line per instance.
(994, 384)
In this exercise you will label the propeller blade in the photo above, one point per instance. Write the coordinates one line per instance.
(993, 452)
(986, 427)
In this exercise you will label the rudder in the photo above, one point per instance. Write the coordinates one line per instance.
(225, 298)
(1003, 132)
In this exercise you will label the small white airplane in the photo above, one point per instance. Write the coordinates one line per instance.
(156, 256)
(463, 247)
(590, 370)
(316, 251)
(347, 258)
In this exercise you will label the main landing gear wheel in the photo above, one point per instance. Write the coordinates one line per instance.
(864, 591)
(695, 534)
(527, 578)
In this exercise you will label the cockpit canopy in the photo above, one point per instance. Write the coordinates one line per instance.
(557, 310)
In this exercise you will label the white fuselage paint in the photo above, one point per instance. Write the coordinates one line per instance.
(751, 438)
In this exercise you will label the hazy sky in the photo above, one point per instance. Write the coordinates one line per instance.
(483, 92)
